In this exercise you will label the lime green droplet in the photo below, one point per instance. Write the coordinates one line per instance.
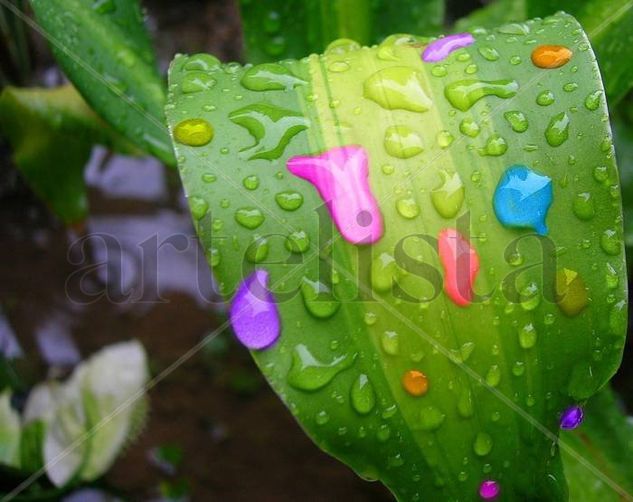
(338, 67)
(489, 53)
(517, 120)
(530, 297)
(495, 146)
(601, 174)
(545, 98)
(390, 342)
(610, 242)
(463, 94)
(270, 77)
(322, 417)
(387, 169)
(249, 217)
(444, 139)
(362, 395)
(209, 178)
(214, 257)
(370, 318)
(431, 418)
(384, 270)
(342, 46)
(203, 62)
(197, 81)
(518, 368)
(448, 196)
(612, 278)
(469, 127)
(527, 336)
(465, 406)
(557, 131)
(309, 374)
(198, 207)
(439, 70)
(407, 207)
(251, 182)
(402, 142)
(618, 319)
(289, 200)
(318, 299)
(193, 132)
(493, 377)
(583, 206)
(571, 292)
(298, 242)
(593, 99)
(483, 444)
(397, 87)
(257, 251)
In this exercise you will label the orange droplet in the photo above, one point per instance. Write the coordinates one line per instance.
(415, 383)
(550, 56)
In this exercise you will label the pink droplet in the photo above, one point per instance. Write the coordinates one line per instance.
(341, 177)
(461, 265)
(441, 48)
(253, 313)
(489, 490)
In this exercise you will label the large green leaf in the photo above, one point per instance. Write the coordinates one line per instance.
(608, 23)
(606, 441)
(104, 49)
(278, 29)
(501, 370)
(52, 132)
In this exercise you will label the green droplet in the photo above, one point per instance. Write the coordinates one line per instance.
(270, 77)
(557, 131)
(387, 169)
(545, 98)
(318, 299)
(397, 87)
(402, 142)
(298, 242)
(601, 174)
(527, 336)
(571, 292)
(463, 94)
(610, 242)
(493, 377)
(618, 319)
(444, 139)
(489, 53)
(448, 196)
(289, 200)
(204, 62)
(307, 373)
(209, 178)
(515, 60)
(390, 343)
(193, 132)
(384, 270)
(338, 67)
(517, 120)
(439, 70)
(198, 207)
(495, 146)
(514, 29)
(593, 99)
(612, 278)
(342, 46)
(197, 81)
(251, 182)
(483, 444)
(570, 87)
(362, 395)
(370, 318)
(214, 257)
(249, 217)
(518, 368)
(583, 206)
(469, 127)
(407, 207)
(465, 406)
(431, 418)
(257, 251)
(322, 417)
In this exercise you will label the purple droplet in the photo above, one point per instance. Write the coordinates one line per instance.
(253, 314)
(441, 48)
(571, 417)
(489, 490)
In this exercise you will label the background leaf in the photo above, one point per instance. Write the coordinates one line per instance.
(104, 50)
(500, 371)
(281, 29)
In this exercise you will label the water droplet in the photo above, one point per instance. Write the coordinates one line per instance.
(618, 321)
(571, 418)
(214, 257)
(318, 299)
(441, 48)
(571, 292)
(493, 377)
(612, 278)
(444, 139)
(461, 265)
(370, 318)
(483, 444)
(448, 196)
(583, 206)
(322, 417)
(415, 383)
(545, 98)
(570, 87)
(431, 418)
(489, 490)
(209, 178)
(550, 56)
(407, 207)
(489, 53)
(308, 373)
(289, 200)
(397, 87)
(517, 120)
(514, 29)
(402, 142)
(469, 127)
(610, 242)
(253, 313)
(527, 336)
(251, 182)
(270, 77)
(529, 297)
(522, 199)
(203, 62)
(464, 94)
(257, 251)
(362, 395)
(601, 174)
(249, 217)
(298, 242)
(193, 132)
(465, 404)
(495, 146)
(515, 60)
(198, 207)
(557, 131)
(104, 6)
(390, 343)
(593, 100)
(439, 70)
(197, 81)
(342, 46)
(384, 270)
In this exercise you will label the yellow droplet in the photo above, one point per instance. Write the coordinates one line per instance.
(571, 292)
(193, 132)
(415, 383)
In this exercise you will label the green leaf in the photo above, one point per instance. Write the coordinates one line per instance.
(104, 50)
(278, 29)
(494, 14)
(52, 132)
(605, 440)
(355, 319)
(9, 432)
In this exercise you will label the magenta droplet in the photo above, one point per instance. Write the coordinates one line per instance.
(253, 313)
(489, 490)
(340, 175)
(571, 418)
(461, 266)
(441, 48)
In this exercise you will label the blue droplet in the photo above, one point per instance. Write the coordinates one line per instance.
(522, 199)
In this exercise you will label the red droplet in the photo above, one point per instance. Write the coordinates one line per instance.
(461, 265)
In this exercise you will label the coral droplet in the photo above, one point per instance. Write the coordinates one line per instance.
(461, 265)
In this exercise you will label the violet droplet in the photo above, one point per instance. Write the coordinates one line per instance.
(571, 418)
(441, 48)
(253, 313)
(489, 490)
